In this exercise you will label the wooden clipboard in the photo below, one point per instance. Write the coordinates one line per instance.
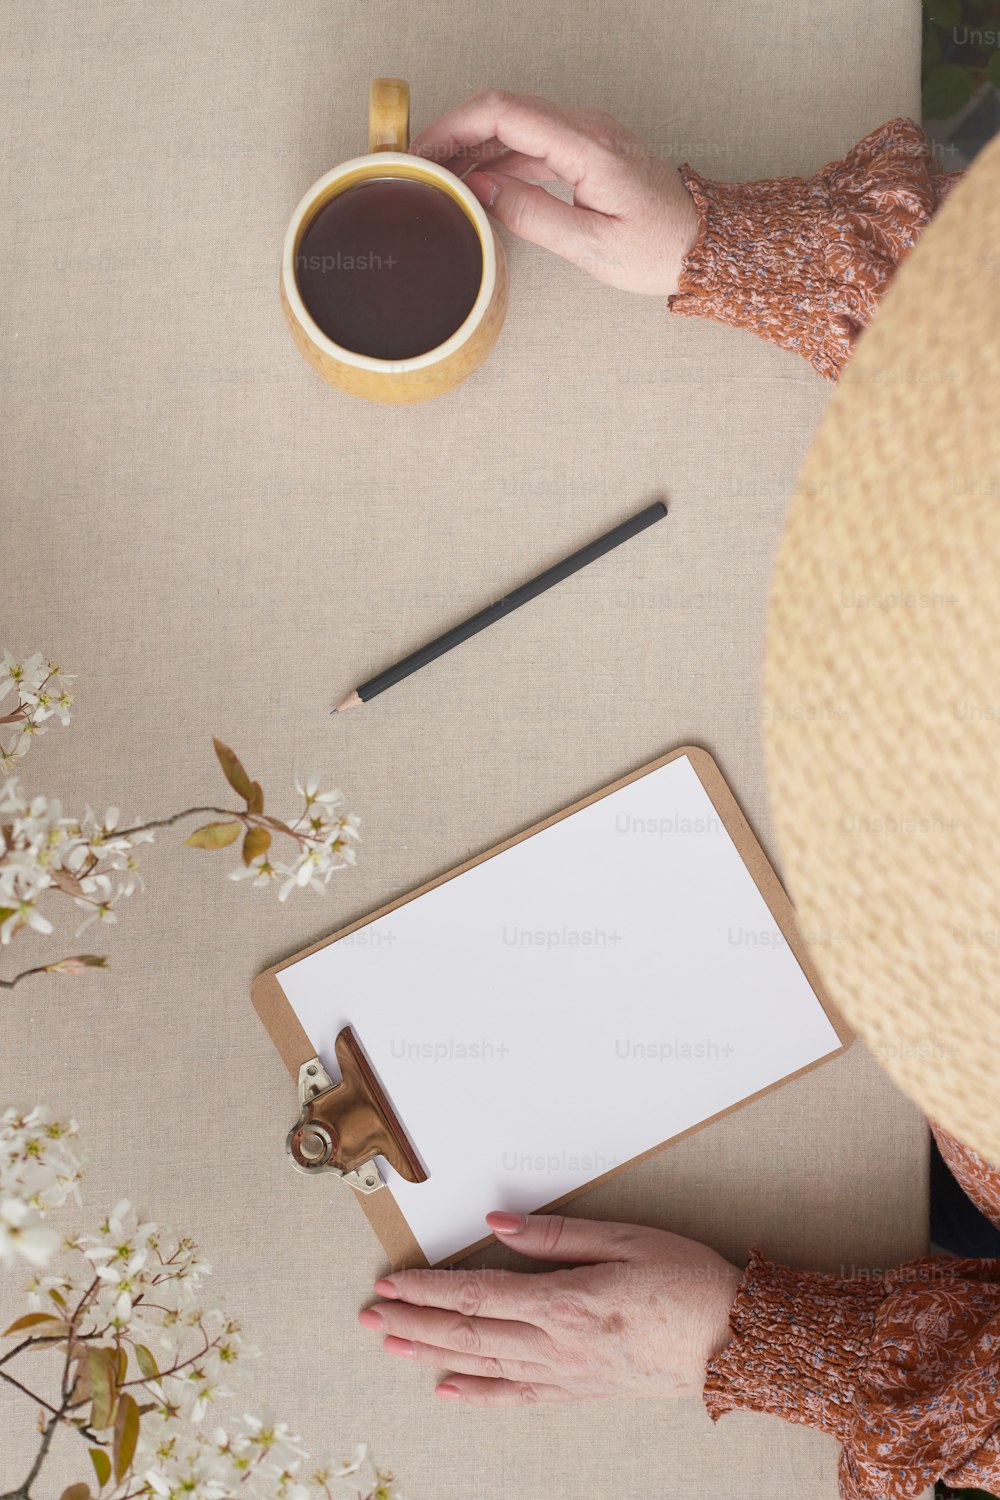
(295, 1047)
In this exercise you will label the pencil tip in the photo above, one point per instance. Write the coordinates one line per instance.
(333, 711)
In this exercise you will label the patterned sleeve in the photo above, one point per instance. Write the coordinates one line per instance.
(976, 1177)
(804, 261)
(903, 1366)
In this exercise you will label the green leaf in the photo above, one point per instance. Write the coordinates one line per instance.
(257, 842)
(214, 835)
(102, 1465)
(103, 1385)
(256, 802)
(147, 1364)
(58, 1299)
(58, 1327)
(233, 770)
(76, 1492)
(947, 87)
(126, 1435)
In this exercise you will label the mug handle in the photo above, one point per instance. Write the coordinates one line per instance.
(389, 115)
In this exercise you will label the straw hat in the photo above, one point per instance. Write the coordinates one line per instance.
(882, 675)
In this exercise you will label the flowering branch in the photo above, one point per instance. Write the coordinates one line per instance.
(129, 1289)
(93, 861)
(42, 694)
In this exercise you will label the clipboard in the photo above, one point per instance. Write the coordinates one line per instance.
(299, 1053)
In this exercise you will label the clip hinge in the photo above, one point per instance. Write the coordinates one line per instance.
(342, 1127)
(313, 1080)
(315, 1144)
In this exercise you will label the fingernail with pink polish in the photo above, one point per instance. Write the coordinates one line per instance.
(393, 1345)
(448, 1392)
(387, 1290)
(502, 1223)
(371, 1318)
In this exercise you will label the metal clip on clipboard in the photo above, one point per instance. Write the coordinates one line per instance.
(343, 1126)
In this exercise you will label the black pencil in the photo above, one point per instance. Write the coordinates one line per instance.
(504, 606)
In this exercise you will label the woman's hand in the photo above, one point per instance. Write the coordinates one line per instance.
(641, 1314)
(632, 220)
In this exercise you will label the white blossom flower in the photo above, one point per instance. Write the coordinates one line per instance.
(99, 912)
(260, 871)
(22, 1234)
(45, 853)
(40, 1288)
(133, 1287)
(12, 752)
(41, 694)
(39, 1170)
(310, 793)
(27, 676)
(42, 848)
(93, 861)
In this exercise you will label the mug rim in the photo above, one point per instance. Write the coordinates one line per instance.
(465, 329)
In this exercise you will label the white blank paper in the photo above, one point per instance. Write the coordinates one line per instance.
(567, 1005)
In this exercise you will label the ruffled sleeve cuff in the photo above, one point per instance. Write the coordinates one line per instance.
(804, 262)
(799, 1342)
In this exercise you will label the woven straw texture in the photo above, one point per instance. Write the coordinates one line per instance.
(882, 689)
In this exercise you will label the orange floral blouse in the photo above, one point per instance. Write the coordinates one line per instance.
(804, 261)
(903, 1366)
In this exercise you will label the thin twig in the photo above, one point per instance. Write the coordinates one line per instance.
(232, 815)
(8, 984)
(86, 1432)
(13, 1353)
(189, 812)
(31, 1394)
(25, 1490)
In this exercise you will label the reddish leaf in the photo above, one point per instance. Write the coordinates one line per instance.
(102, 1367)
(233, 770)
(66, 882)
(257, 842)
(126, 1435)
(81, 1388)
(58, 1326)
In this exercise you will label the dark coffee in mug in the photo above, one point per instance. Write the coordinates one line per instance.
(390, 267)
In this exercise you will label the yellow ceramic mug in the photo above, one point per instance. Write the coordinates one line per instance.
(440, 369)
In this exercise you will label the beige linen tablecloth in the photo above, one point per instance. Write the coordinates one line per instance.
(215, 542)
